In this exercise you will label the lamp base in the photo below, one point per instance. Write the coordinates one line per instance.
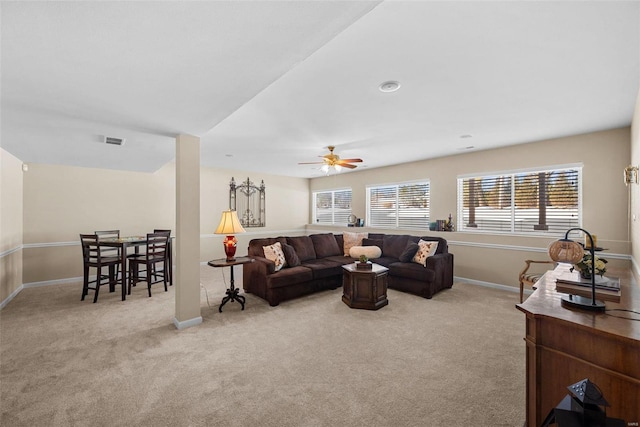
(582, 303)
(230, 243)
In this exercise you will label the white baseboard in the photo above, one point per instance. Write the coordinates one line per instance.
(10, 297)
(491, 285)
(39, 284)
(187, 323)
(55, 282)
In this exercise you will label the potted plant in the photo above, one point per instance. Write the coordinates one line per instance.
(363, 263)
(584, 266)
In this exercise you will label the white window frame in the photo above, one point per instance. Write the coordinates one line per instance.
(332, 208)
(463, 227)
(397, 223)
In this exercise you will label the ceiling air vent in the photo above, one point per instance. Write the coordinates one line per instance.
(113, 140)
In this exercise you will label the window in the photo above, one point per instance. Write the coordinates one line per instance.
(403, 205)
(521, 202)
(332, 207)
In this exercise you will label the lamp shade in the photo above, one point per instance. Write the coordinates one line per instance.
(229, 223)
(565, 250)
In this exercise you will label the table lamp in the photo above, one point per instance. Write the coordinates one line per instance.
(229, 225)
(566, 250)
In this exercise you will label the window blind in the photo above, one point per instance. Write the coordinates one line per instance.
(527, 202)
(332, 207)
(399, 205)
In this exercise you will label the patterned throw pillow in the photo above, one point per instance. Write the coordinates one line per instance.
(352, 239)
(274, 253)
(425, 250)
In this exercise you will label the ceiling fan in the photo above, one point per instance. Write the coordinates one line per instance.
(333, 160)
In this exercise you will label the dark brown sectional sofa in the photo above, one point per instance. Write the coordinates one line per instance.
(314, 263)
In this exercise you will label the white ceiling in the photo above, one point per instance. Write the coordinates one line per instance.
(269, 84)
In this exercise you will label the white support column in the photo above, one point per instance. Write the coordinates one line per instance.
(187, 276)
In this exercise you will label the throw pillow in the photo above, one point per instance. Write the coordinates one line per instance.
(290, 256)
(370, 252)
(274, 253)
(409, 252)
(425, 250)
(352, 239)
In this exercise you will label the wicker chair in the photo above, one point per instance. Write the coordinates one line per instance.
(530, 278)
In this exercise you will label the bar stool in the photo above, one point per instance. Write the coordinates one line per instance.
(169, 265)
(156, 253)
(93, 257)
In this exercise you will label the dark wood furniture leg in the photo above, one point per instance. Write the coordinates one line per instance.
(232, 294)
(123, 270)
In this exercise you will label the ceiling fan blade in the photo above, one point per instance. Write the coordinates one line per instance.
(351, 160)
(311, 163)
(347, 165)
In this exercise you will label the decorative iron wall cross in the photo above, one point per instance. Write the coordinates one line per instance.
(248, 200)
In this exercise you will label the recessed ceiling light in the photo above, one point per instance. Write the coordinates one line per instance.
(228, 155)
(466, 136)
(390, 86)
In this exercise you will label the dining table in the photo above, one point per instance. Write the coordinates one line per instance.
(123, 243)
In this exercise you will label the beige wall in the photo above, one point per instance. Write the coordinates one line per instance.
(634, 189)
(11, 187)
(495, 258)
(62, 201)
(287, 208)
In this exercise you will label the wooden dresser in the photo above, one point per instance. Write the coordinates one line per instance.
(564, 346)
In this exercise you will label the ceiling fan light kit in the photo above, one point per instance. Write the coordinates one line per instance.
(334, 161)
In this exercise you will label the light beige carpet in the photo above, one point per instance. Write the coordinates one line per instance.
(455, 360)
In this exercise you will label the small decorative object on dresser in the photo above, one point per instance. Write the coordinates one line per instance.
(567, 251)
(363, 263)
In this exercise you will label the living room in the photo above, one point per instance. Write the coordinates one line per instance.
(46, 202)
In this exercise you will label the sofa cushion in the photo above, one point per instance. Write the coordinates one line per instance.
(394, 244)
(290, 255)
(256, 245)
(274, 253)
(425, 250)
(409, 252)
(352, 239)
(372, 242)
(325, 245)
(289, 276)
(410, 270)
(339, 259)
(321, 268)
(303, 246)
(386, 261)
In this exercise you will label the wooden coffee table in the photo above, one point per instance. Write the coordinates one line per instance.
(365, 289)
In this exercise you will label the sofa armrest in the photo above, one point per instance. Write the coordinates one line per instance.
(261, 265)
(254, 275)
(442, 265)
